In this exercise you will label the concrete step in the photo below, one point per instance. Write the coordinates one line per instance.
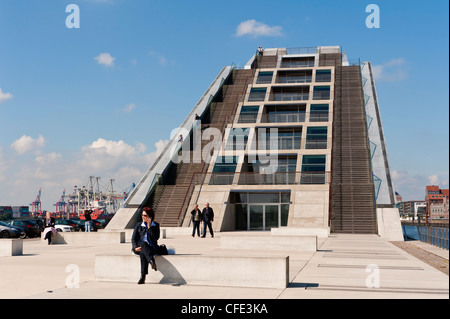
(231, 271)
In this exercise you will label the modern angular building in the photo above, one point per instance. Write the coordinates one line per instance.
(293, 142)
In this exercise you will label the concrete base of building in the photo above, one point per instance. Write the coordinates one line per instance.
(293, 231)
(389, 225)
(11, 247)
(254, 241)
(227, 271)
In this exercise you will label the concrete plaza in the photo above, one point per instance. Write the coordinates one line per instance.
(344, 267)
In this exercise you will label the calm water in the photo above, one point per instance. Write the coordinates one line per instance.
(410, 232)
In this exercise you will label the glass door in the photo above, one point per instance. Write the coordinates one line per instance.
(271, 216)
(256, 216)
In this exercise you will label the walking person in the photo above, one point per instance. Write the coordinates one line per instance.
(208, 218)
(88, 222)
(196, 217)
(145, 241)
(49, 230)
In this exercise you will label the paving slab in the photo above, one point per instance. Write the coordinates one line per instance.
(344, 267)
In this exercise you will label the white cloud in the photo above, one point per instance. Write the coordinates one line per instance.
(27, 143)
(105, 59)
(48, 158)
(257, 29)
(393, 70)
(162, 60)
(5, 96)
(412, 186)
(129, 108)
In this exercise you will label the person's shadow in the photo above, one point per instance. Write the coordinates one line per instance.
(170, 273)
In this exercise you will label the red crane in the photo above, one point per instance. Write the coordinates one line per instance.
(61, 205)
(36, 209)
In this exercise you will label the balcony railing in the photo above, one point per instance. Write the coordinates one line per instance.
(289, 97)
(284, 117)
(294, 79)
(251, 178)
(321, 95)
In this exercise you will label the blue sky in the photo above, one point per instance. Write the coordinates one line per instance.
(102, 99)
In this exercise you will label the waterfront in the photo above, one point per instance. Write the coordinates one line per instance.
(433, 235)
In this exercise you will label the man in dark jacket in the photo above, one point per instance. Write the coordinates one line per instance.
(208, 218)
(196, 218)
(145, 241)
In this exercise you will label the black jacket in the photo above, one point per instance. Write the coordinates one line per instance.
(193, 215)
(208, 216)
(139, 233)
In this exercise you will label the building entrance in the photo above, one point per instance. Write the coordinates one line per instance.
(261, 211)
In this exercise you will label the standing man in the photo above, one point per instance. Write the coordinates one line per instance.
(208, 218)
(144, 241)
(87, 223)
(196, 219)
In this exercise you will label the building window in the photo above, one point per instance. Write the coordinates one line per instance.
(280, 171)
(224, 169)
(313, 169)
(316, 138)
(264, 78)
(319, 113)
(297, 62)
(323, 76)
(237, 140)
(279, 139)
(248, 114)
(303, 76)
(284, 113)
(321, 93)
(257, 95)
(289, 93)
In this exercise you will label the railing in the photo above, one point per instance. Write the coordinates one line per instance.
(294, 79)
(285, 64)
(251, 178)
(436, 236)
(305, 50)
(321, 95)
(264, 79)
(299, 117)
(292, 117)
(289, 97)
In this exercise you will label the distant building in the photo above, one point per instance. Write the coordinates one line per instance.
(412, 208)
(437, 202)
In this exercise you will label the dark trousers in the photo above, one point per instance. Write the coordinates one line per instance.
(207, 224)
(48, 236)
(146, 255)
(196, 226)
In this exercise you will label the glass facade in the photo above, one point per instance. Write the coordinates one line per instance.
(260, 210)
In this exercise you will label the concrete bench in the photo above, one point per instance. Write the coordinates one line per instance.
(83, 238)
(232, 271)
(11, 247)
(268, 242)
